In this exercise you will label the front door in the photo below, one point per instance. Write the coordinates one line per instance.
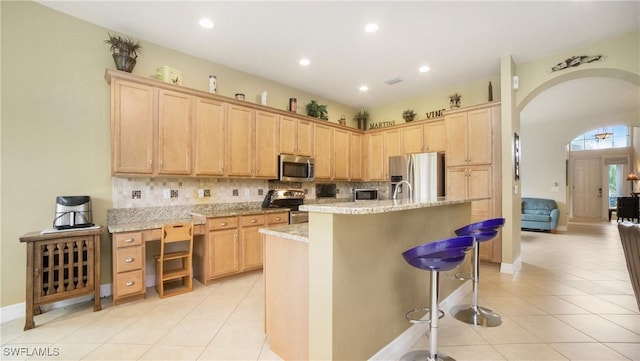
(587, 188)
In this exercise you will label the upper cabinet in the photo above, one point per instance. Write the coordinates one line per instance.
(323, 149)
(296, 136)
(133, 123)
(356, 156)
(266, 144)
(174, 132)
(210, 137)
(239, 141)
(145, 119)
(469, 137)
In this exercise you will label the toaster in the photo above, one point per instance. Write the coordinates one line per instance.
(73, 212)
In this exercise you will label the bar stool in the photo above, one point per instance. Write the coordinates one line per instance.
(474, 314)
(441, 255)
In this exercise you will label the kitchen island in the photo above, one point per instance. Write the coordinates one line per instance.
(339, 287)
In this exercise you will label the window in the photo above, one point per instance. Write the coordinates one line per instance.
(602, 138)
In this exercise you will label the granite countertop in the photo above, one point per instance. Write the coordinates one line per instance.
(145, 218)
(381, 206)
(297, 232)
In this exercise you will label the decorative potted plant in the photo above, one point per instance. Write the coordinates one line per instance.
(125, 51)
(362, 117)
(317, 111)
(408, 115)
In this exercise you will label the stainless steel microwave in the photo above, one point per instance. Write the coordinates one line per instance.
(295, 168)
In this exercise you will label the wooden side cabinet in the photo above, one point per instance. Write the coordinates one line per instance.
(61, 265)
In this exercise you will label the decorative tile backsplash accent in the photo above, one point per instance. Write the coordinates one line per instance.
(161, 192)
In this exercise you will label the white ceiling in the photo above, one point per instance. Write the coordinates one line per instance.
(460, 41)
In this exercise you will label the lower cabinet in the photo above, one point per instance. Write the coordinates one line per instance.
(128, 261)
(232, 245)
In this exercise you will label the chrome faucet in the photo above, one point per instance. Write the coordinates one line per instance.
(395, 192)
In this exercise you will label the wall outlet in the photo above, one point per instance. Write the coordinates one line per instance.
(200, 193)
(166, 193)
(247, 192)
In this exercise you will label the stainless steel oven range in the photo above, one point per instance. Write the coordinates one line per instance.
(287, 198)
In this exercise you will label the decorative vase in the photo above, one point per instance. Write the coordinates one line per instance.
(124, 62)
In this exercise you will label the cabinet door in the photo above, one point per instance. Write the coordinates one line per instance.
(323, 151)
(266, 148)
(392, 147)
(479, 136)
(355, 156)
(435, 137)
(225, 255)
(375, 162)
(413, 139)
(174, 132)
(133, 120)
(239, 141)
(479, 179)
(456, 128)
(341, 154)
(251, 248)
(457, 186)
(288, 135)
(209, 137)
(305, 138)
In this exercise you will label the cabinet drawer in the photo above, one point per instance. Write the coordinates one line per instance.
(222, 223)
(128, 259)
(277, 218)
(128, 283)
(254, 220)
(127, 239)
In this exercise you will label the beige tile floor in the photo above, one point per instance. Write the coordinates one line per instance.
(572, 300)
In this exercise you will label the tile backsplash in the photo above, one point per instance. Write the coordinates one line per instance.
(153, 192)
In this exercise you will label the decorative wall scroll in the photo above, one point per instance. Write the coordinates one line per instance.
(516, 155)
(577, 60)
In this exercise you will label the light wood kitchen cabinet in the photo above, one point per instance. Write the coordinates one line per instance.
(392, 147)
(296, 136)
(174, 132)
(323, 149)
(133, 122)
(266, 145)
(341, 154)
(375, 156)
(239, 157)
(469, 137)
(210, 137)
(435, 136)
(251, 242)
(413, 139)
(128, 272)
(473, 166)
(355, 156)
(143, 117)
(222, 254)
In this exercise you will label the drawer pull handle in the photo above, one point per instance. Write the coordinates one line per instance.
(130, 283)
(278, 219)
(254, 220)
(129, 260)
(223, 224)
(128, 240)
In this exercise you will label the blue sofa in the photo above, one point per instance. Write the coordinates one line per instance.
(539, 214)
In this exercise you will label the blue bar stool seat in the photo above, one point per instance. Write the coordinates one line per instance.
(441, 255)
(473, 314)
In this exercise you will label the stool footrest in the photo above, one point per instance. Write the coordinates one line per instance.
(427, 310)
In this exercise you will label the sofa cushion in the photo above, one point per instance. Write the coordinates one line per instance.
(536, 217)
(538, 205)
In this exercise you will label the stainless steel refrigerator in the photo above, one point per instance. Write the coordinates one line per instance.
(420, 177)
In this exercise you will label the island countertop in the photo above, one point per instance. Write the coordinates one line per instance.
(381, 206)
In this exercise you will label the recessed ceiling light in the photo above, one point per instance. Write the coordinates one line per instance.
(424, 69)
(206, 23)
(371, 28)
(304, 62)
(363, 88)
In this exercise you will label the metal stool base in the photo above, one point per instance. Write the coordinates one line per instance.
(424, 355)
(478, 316)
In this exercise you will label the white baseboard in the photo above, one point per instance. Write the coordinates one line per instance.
(15, 311)
(401, 344)
(511, 268)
